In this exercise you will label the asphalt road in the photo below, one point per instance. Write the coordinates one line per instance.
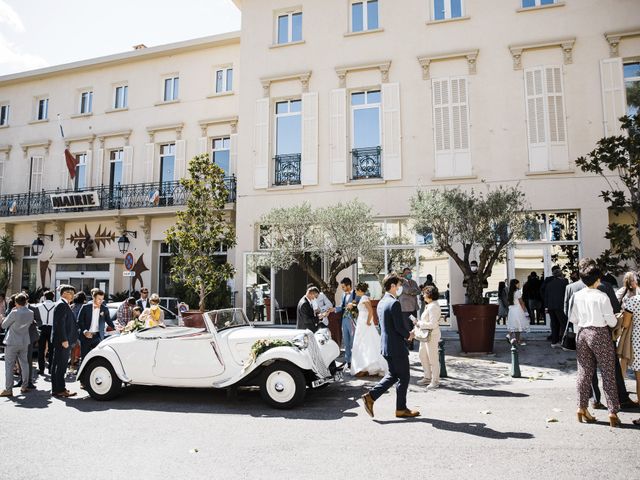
(480, 424)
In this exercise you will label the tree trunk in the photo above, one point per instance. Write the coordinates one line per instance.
(474, 290)
(203, 297)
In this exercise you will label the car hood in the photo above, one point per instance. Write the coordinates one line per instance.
(240, 340)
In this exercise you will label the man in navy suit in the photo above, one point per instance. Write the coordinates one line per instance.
(394, 336)
(348, 322)
(64, 335)
(91, 322)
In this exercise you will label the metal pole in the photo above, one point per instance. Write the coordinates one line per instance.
(515, 363)
(443, 366)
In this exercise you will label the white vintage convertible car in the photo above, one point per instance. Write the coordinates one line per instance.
(217, 356)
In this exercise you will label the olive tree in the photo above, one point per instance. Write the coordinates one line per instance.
(7, 259)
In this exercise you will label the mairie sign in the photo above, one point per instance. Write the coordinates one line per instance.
(60, 201)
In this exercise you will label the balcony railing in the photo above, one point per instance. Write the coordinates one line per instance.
(118, 197)
(366, 163)
(287, 169)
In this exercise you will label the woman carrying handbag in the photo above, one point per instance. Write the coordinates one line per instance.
(427, 332)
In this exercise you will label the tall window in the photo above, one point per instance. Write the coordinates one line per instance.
(288, 148)
(445, 9)
(289, 28)
(81, 171)
(121, 97)
(536, 3)
(165, 285)
(171, 88)
(366, 134)
(43, 109)
(36, 168)
(364, 16)
(115, 167)
(86, 102)
(224, 80)
(4, 115)
(29, 269)
(632, 86)
(220, 153)
(167, 162)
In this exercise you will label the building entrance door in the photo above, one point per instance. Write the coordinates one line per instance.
(84, 277)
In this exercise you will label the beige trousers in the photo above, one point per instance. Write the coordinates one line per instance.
(429, 357)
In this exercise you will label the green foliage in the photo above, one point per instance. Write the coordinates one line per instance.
(337, 233)
(218, 299)
(617, 160)
(200, 229)
(484, 224)
(118, 296)
(7, 259)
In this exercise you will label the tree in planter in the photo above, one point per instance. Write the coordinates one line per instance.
(617, 160)
(338, 234)
(483, 224)
(7, 259)
(200, 230)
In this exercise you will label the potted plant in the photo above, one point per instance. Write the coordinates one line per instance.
(475, 229)
(198, 233)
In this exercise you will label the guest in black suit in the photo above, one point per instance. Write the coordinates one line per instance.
(64, 334)
(91, 322)
(306, 317)
(553, 290)
(394, 336)
(143, 301)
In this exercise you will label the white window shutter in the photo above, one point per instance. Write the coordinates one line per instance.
(460, 129)
(98, 170)
(261, 145)
(127, 165)
(181, 159)
(149, 162)
(442, 128)
(36, 173)
(338, 135)
(391, 132)
(65, 179)
(309, 165)
(536, 120)
(88, 167)
(557, 135)
(203, 145)
(233, 153)
(613, 94)
(2, 165)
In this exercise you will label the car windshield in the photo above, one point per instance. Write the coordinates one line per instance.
(229, 318)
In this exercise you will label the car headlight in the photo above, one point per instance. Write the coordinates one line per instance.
(301, 341)
(323, 336)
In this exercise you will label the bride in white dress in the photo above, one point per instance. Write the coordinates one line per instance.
(366, 358)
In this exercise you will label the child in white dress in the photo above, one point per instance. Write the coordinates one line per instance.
(517, 321)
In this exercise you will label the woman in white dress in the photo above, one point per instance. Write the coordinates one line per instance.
(517, 321)
(366, 358)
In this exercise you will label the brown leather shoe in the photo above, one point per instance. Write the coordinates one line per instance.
(6, 393)
(368, 403)
(406, 413)
(68, 394)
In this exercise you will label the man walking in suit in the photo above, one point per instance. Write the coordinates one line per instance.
(552, 292)
(63, 336)
(16, 343)
(91, 323)
(348, 322)
(394, 335)
(306, 317)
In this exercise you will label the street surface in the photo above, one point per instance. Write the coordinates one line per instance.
(480, 424)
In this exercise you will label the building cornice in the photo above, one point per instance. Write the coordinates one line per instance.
(470, 55)
(383, 67)
(232, 121)
(120, 58)
(86, 138)
(614, 39)
(303, 77)
(37, 144)
(161, 128)
(565, 44)
(120, 133)
(5, 149)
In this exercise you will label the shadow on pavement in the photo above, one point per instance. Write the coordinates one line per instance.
(486, 392)
(475, 429)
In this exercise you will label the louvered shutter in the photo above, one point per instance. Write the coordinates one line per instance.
(233, 153)
(127, 165)
(460, 127)
(2, 165)
(37, 166)
(64, 182)
(536, 128)
(88, 166)
(203, 145)
(261, 145)
(338, 135)
(309, 165)
(98, 170)
(391, 132)
(442, 128)
(556, 119)
(613, 95)
(149, 163)
(181, 159)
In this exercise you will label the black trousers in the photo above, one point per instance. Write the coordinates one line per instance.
(558, 324)
(398, 373)
(44, 342)
(623, 395)
(87, 344)
(409, 323)
(59, 368)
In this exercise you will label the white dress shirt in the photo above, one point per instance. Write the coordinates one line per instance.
(592, 308)
(95, 320)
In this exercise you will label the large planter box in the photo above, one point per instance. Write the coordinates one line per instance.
(193, 319)
(477, 327)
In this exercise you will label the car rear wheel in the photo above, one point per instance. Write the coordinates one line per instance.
(101, 381)
(283, 385)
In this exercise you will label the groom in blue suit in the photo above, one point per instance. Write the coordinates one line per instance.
(394, 336)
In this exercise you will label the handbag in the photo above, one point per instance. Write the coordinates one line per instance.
(569, 338)
(422, 335)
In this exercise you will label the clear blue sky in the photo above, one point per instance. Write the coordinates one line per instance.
(40, 33)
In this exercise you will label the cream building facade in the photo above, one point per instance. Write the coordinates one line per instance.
(339, 100)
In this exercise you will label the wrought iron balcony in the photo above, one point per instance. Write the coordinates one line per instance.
(104, 197)
(287, 169)
(366, 163)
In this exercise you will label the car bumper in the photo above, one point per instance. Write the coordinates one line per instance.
(337, 377)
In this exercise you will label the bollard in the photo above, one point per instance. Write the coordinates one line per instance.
(515, 362)
(443, 367)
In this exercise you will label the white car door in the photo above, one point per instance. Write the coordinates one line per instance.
(189, 357)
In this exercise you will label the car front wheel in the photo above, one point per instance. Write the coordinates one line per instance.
(101, 381)
(283, 385)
